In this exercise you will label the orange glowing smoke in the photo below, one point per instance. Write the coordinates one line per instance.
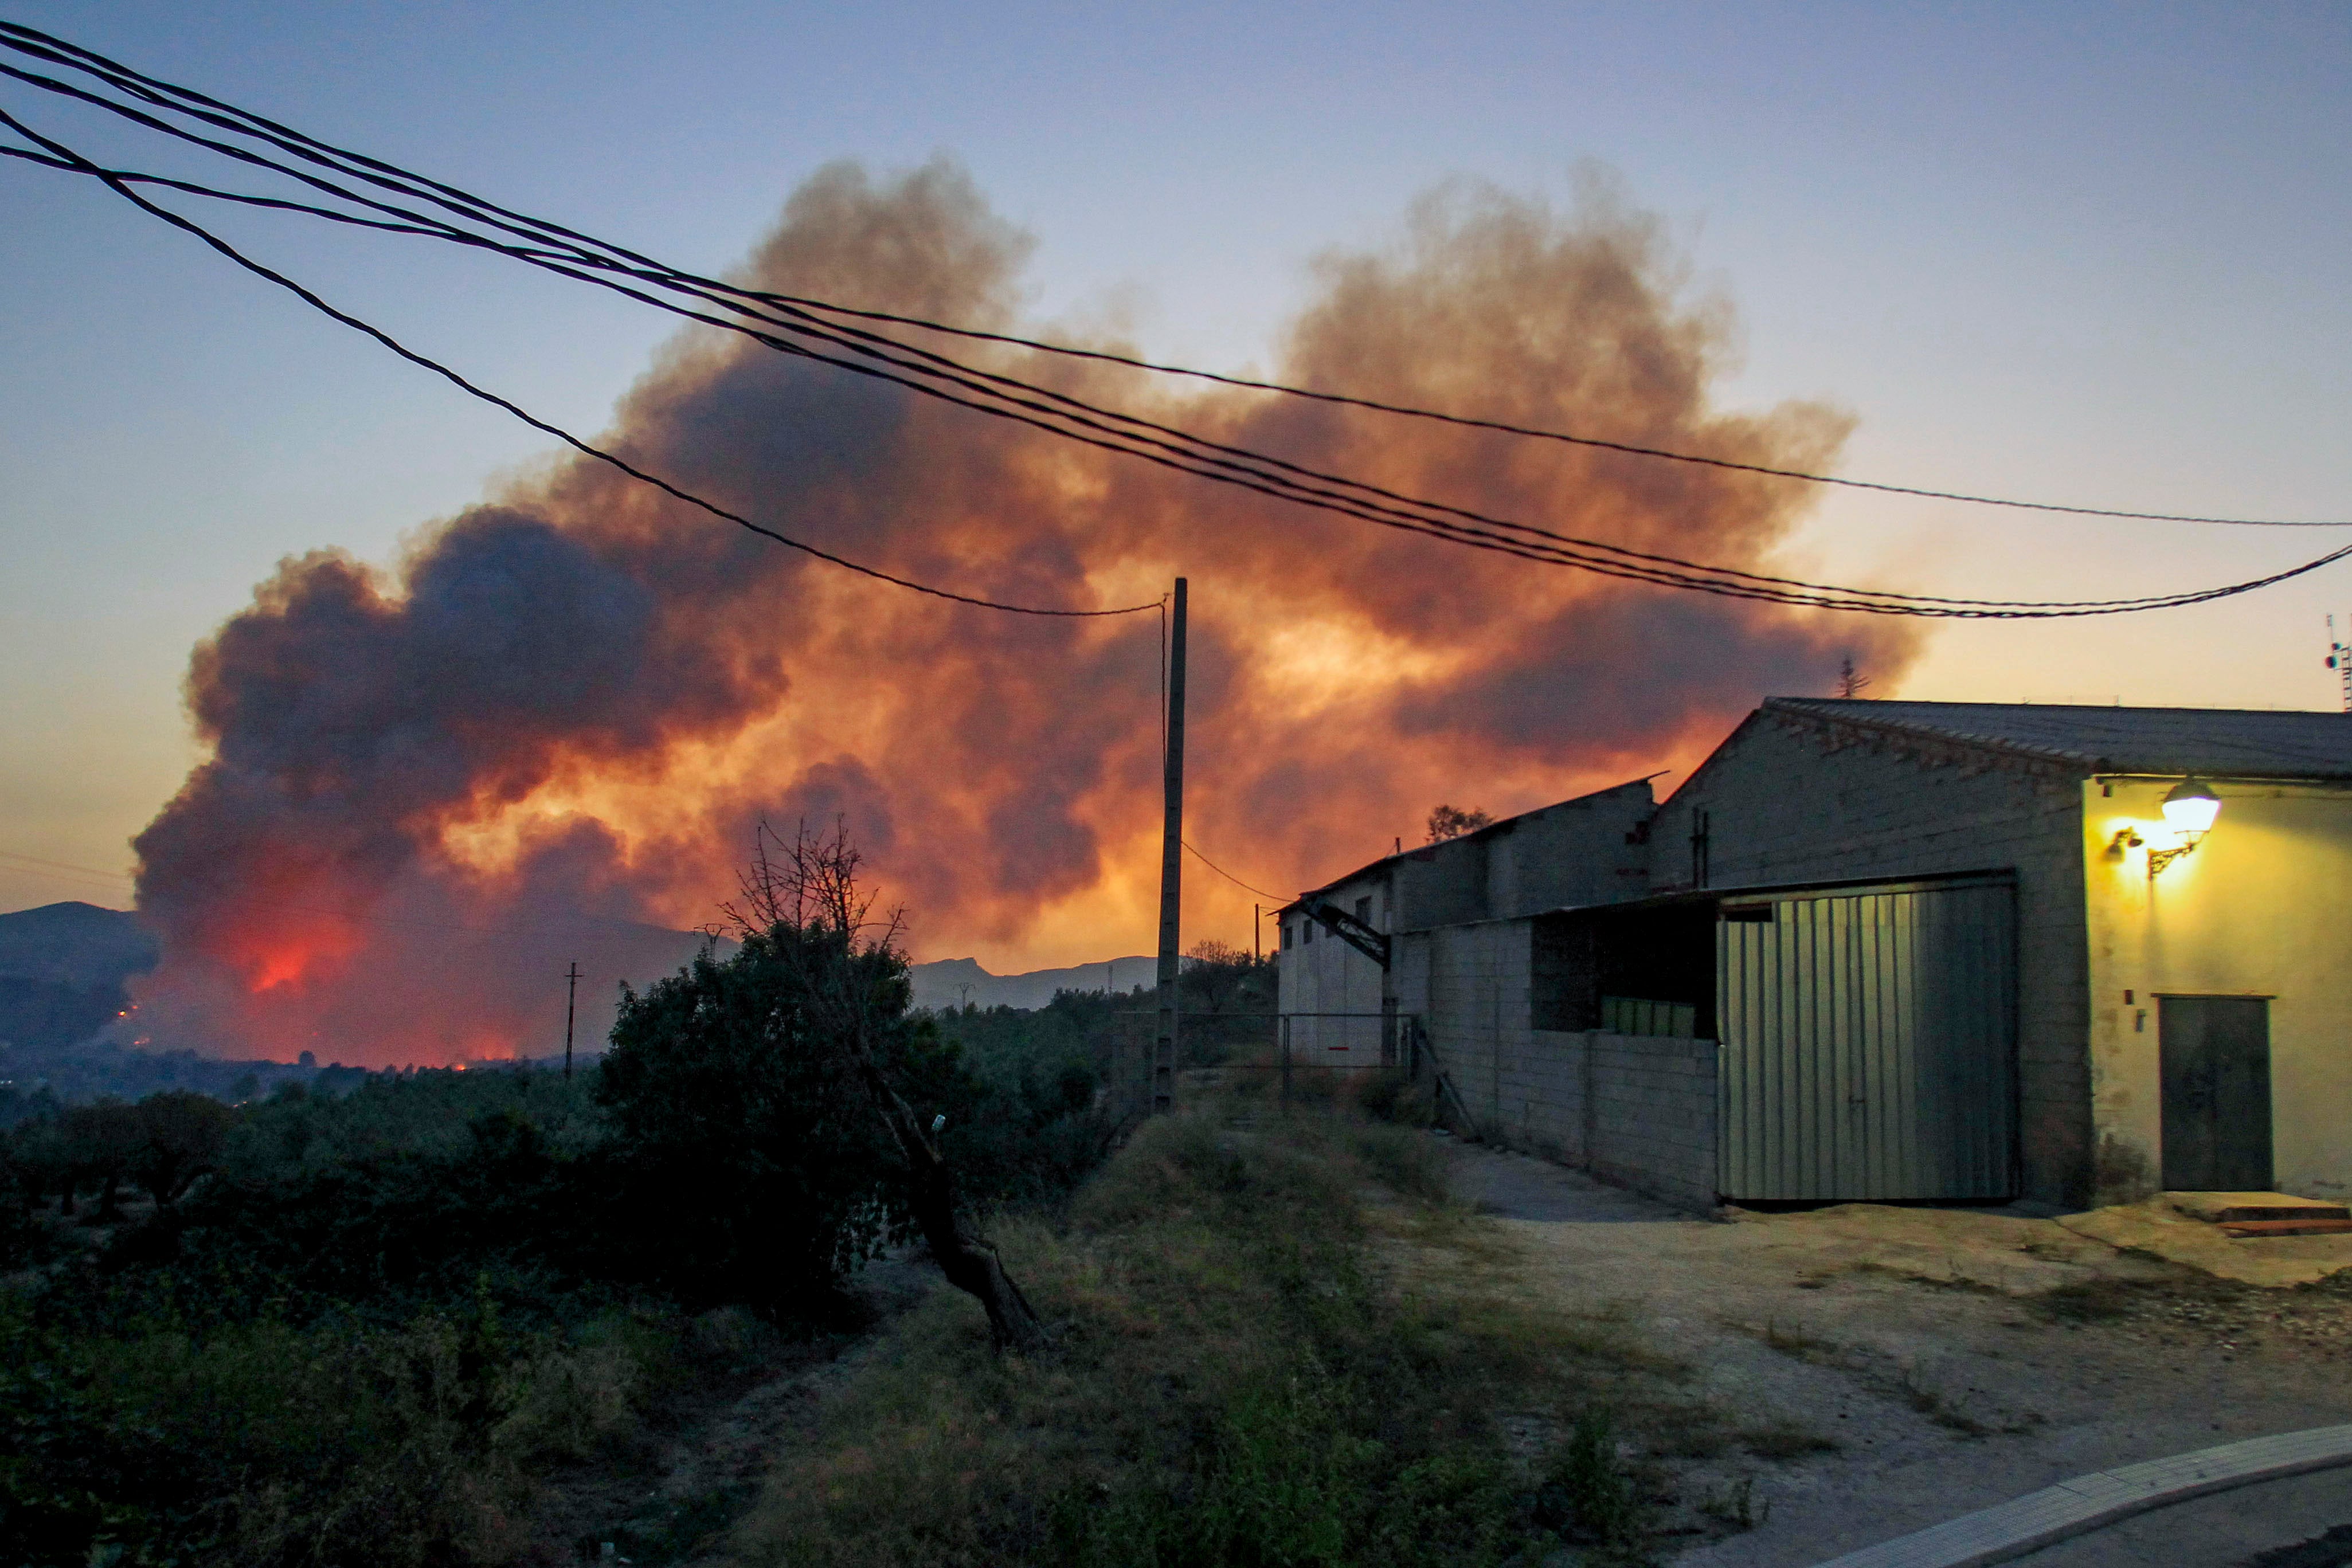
(427, 790)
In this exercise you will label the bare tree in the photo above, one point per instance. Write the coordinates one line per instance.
(852, 978)
(1851, 681)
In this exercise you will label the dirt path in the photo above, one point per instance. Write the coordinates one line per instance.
(1956, 1358)
(673, 1504)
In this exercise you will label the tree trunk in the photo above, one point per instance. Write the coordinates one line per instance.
(970, 1264)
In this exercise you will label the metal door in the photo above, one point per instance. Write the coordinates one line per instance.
(1868, 1043)
(2216, 1057)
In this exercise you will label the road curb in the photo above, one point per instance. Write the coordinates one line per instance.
(2086, 1503)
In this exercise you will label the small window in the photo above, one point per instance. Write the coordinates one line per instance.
(1364, 910)
(1289, 932)
(1306, 930)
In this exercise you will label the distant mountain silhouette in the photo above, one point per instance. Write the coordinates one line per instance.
(62, 967)
(952, 982)
(74, 944)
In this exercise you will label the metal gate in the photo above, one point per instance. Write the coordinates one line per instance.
(1869, 1043)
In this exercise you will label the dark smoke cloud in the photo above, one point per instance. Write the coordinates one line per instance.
(573, 705)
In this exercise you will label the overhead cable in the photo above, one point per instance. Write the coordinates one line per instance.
(792, 329)
(40, 45)
(1230, 876)
(1248, 468)
(123, 188)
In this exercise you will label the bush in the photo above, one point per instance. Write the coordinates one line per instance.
(1389, 1095)
(1036, 1124)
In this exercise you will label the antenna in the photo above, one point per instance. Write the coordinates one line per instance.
(2340, 659)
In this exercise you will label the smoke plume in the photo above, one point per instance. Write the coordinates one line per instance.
(563, 712)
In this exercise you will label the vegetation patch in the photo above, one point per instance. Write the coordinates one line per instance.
(1237, 1377)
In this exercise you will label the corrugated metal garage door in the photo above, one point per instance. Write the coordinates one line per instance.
(1869, 1043)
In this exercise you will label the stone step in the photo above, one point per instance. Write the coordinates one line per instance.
(2248, 1207)
(2285, 1227)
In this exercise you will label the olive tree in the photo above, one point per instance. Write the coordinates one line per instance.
(847, 982)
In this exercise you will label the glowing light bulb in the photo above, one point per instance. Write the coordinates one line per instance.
(2190, 810)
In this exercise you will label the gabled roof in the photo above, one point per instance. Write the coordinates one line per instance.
(2229, 743)
(1429, 851)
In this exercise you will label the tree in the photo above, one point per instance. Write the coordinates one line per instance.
(102, 1140)
(1221, 976)
(182, 1135)
(1852, 681)
(1445, 822)
(742, 1170)
(849, 986)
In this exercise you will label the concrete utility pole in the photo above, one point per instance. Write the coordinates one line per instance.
(2340, 659)
(571, 1006)
(1171, 868)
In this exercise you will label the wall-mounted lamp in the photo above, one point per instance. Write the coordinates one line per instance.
(2189, 810)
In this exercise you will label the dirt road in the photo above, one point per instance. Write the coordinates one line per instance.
(1955, 1358)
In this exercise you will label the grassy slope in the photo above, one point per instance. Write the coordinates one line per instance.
(1280, 1344)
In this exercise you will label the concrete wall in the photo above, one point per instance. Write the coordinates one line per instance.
(2261, 907)
(1640, 1113)
(1470, 986)
(1795, 798)
(1585, 850)
(1326, 975)
(1650, 1114)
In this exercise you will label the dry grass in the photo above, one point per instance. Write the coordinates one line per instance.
(1254, 1364)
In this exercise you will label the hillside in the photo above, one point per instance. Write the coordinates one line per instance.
(74, 944)
(953, 982)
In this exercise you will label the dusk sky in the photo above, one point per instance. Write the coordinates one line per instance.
(2085, 253)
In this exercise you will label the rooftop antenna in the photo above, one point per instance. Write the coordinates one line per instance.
(2340, 659)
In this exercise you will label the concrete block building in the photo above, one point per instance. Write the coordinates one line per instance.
(1888, 950)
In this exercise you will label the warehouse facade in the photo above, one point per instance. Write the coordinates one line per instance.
(1888, 950)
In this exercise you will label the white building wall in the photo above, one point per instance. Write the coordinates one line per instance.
(2261, 907)
(1324, 975)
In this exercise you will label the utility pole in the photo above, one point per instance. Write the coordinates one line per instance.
(1257, 913)
(2340, 659)
(1172, 867)
(571, 1007)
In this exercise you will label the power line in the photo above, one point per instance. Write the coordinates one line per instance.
(983, 391)
(123, 188)
(1190, 454)
(1542, 545)
(44, 46)
(1230, 876)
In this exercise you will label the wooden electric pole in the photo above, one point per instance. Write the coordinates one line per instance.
(1172, 867)
(570, 1004)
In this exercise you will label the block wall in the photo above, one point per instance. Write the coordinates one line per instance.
(1639, 1113)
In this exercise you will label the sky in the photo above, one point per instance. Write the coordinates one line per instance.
(2093, 255)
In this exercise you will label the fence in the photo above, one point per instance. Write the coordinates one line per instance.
(1279, 1046)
